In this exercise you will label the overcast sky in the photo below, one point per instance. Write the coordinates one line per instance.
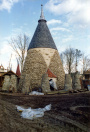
(68, 21)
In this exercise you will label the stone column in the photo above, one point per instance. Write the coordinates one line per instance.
(68, 82)
(13, 83)
(20, 85)
(45, 83)
(6, 83)
(26, 84)
(76, 81)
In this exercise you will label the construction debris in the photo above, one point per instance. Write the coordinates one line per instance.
(33, 113)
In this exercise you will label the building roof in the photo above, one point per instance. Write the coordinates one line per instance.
(2, 70)
(50, 74)
(1, 67)
(87, 72)
(9, 73)
(42, 37)
(2, 73)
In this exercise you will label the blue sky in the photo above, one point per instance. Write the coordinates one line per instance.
(68, 21)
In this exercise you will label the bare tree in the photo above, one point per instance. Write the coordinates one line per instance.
(20, 45)
(86, 63)
(62, 58)
(78, 55)
(69, 58)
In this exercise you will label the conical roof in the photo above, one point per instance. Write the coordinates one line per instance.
(42, 37)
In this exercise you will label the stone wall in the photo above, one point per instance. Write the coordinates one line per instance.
(47, 54)
(36, 65)
(26, 84)
(10, 83)
(21, 82)
(68, 82)
(57, 68)
(13, 83)
(6, 83)
(76, 81)
(45, 83)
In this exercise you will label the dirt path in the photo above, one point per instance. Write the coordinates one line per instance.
(61, 118)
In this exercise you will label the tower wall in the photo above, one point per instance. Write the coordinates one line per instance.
(37, 62)
(35, 66)
(57, 68)
(47, 54)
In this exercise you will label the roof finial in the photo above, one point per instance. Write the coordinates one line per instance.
(42, 14)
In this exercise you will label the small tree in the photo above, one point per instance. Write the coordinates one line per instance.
(20, 45)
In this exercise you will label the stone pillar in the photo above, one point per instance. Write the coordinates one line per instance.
(68, 82)
(76, 81)
(20, 85)
(45, 83)
(6, 83)
(26, 84)
(13, 83)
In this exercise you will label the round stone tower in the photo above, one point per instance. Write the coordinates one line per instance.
(42, 55)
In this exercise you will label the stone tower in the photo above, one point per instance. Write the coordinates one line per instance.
(42, 55)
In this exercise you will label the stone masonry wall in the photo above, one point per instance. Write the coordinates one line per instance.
(76, 82)
(47, 54)
(68, 82)
(34, 67)
(13, 83)
(21, 82)
(6, 83)
(57, 68)
(45, 83)
(26, 84)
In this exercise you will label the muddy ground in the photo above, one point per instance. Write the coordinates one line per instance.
(69, 113)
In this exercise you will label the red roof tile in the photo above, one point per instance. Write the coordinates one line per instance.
(50, 74)
(18, 71)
